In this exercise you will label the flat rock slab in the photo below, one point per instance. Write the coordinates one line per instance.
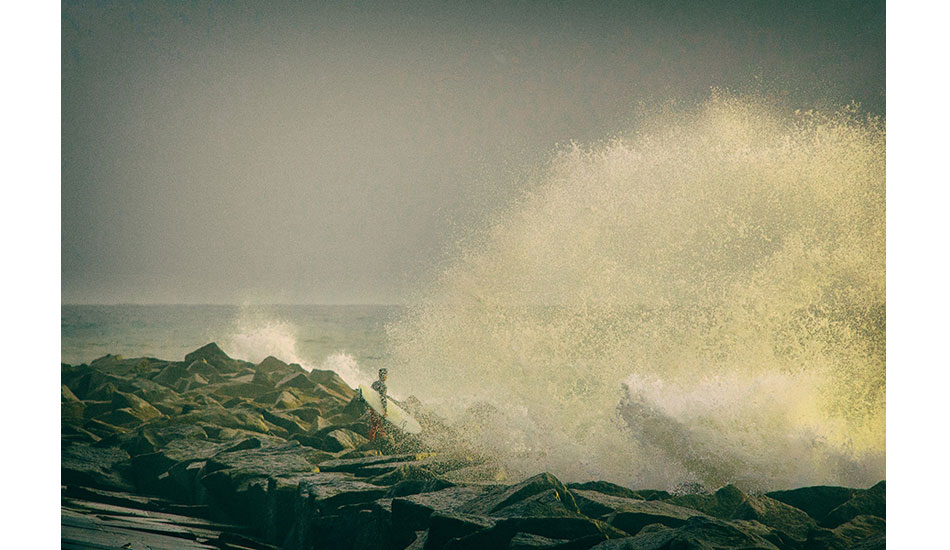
(87, 531)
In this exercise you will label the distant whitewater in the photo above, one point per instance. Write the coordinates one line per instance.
(702, 300)
(350, 340)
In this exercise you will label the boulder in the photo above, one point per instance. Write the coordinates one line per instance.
(103, 468)
(816, 501)
(332, 382)
(140, 407)
(171, 374)
(213, 355)
(296, 380)
(731, 503)
(412, 512)
(341, 439)
(612, 489)
(870, 502)
(697, 532)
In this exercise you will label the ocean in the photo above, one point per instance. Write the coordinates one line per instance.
(350, 339)
(703, 300)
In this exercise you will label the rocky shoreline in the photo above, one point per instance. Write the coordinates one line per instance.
(217, 453)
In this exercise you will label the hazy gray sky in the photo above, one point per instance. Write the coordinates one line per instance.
(297, 152)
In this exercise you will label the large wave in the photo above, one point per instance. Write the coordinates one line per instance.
(703, 299)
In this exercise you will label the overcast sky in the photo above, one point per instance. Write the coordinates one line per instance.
(279, 152)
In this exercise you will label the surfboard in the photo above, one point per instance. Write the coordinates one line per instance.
(394, 414)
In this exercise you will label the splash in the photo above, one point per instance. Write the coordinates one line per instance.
(701, 300)
(254, 336)
(347, 367)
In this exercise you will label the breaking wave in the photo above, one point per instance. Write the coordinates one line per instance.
(701, 300)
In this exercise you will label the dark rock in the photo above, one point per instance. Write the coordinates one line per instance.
(171, 374)
(141, 408)
(499, 498)
(730, 503)
(817, 501)
(103, 429)
(445, 526)
(341, 439)
(332, 382)
(870, 502)
(412, 512)
(287, 422)
(104, 468)
(297, 380)
(612, 489)
(634, 515)
(700, 533)
(212, 354)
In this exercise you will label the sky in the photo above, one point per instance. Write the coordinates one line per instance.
(297, 152)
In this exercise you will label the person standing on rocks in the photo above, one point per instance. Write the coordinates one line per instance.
(376, 421)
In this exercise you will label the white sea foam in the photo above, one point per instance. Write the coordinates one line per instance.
(723, 263)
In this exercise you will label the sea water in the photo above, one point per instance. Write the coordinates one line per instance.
(347, 339)
(701, 300)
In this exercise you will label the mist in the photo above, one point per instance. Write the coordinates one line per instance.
(336, 153)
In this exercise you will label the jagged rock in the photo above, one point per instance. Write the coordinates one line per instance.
(870, 502)
(75, 434)
(816, 501)
(633, 515)
(285, 421)
(341, 439)
(171, 374)
(190, 382)
(213, 355)
(332, 382)
(311, 416)
(542, 495)
(287, 400)
(730, 503)
(445, 526)
(71, 408)
(297, 380)
(357, 465)
(578, 532)
(411, 513)
(612, 489)
(407, 472)
(141, 408)
(697, 532)
(103, 429)
(206, 370)
(864, 532)
(103, 468)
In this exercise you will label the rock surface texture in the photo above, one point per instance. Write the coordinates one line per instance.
(218, 453)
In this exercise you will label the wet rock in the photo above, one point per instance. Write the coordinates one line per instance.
(141, 408)
(340, 439)
(298, 380)
(612, 489)
(862, 532)
(213, 355)
(870, 502)
(103, 468)
(412, 512)
(445, 526)
(633, 515)
(331, 382)
(730, 503)
(285, 421)
(698, 532)
(500, 498)
(816, 501)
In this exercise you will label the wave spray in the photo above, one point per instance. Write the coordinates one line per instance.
(702, 300)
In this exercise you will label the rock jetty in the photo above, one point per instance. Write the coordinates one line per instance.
(217, 453)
